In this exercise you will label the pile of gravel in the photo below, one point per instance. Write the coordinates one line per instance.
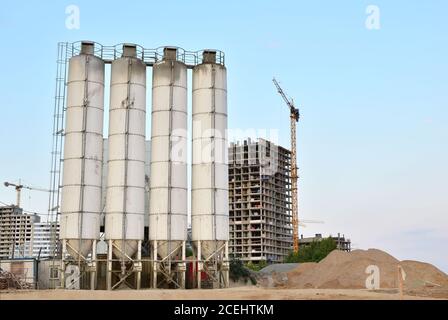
(279, 267)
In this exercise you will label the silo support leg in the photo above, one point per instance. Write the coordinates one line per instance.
(109, 266)
(226, 263)
(94, 266)
(182, 268)
(199, 270)
(63, 275)
(64, 252)
(139, 270)
(155, 266)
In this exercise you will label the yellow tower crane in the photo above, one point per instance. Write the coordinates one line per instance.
(19, 188)
(294, 118)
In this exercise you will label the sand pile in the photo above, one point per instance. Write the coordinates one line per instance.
(342, 270)
(420, 274)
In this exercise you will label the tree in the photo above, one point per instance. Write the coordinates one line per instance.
(188, 252)
(256, 266)
(239, 271)
(314, 252)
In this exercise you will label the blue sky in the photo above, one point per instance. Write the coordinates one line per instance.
(373, 135)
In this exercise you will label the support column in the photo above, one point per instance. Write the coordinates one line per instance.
(219, 274)
(155, 264)
(199, 264)
(139, 265)
(94, 267)
(184, 266)
(109, 266)
(227, 265)
(64, 253)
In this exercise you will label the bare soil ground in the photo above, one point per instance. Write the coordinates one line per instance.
(239, 293)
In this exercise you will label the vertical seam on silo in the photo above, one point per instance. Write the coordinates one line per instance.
(126, 158)
(83, 155)
(170, 163)
(213, 141)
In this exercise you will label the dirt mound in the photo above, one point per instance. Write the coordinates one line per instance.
(343, 270)
(420, 274)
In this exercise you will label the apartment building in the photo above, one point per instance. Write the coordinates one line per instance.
(259, 201)
(16, 232)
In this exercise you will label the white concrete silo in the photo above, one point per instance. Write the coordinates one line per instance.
(104, 178)
(83, 143)
(168, 177)
(209, 204)
(125, 198)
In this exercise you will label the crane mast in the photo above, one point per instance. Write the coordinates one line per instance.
(294, 118)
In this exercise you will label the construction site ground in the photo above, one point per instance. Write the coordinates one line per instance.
(237, 293)
(340, 276)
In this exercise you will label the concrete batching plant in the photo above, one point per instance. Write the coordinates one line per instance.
(158, 256)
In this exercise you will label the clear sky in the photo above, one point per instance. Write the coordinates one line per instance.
(373, 136)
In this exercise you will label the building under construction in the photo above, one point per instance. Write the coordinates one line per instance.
(342, 243)
(16, 232)
(259, 201)
(23, 235)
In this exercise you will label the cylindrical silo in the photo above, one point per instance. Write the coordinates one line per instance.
(125, 199)
(168, 175)
(83, 152)
(209, 203)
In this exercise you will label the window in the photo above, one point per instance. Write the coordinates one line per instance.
(54, 273)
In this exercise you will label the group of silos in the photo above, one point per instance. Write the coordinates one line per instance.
(124, 210)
